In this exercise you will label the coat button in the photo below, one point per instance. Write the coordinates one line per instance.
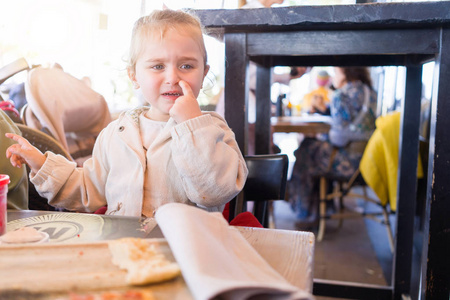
(121, 128)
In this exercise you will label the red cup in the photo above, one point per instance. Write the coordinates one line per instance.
(4, 181)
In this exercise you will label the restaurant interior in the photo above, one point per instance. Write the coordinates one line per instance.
(378, 232)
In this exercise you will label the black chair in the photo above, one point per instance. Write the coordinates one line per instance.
(266, 181)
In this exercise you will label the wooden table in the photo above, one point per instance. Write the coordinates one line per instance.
(375, 34)
(77, 255)
(300, 124)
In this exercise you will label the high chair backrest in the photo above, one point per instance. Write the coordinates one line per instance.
(266, 181)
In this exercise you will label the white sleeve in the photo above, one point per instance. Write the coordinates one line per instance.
(208, 159)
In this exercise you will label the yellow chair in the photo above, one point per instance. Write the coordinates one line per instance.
(378, 170)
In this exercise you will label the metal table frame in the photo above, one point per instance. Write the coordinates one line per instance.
(381, 34)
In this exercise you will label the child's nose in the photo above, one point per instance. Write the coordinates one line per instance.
(172, 76)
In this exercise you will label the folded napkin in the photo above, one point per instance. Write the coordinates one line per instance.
(216, 260)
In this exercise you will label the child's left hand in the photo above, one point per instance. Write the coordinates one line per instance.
(186, 107)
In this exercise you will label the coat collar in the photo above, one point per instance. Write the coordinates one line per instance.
(128, 130)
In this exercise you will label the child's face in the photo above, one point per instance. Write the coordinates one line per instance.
(162, 64)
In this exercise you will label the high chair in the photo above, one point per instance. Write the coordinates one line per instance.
(67, 109)
(7, 72)
(266, 181)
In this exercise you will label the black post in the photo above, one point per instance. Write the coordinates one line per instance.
(407, 182)
(236, 87)
(436, 241)
(263, 111)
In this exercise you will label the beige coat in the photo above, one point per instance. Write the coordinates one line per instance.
(196, 162)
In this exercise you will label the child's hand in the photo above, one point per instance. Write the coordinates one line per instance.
(186, 107)
(24, 152)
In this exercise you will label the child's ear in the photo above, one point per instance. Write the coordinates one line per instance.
(206, 71)
(132, 76)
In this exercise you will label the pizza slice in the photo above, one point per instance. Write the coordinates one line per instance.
(142, 260)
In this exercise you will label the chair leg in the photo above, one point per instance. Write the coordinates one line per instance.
(337, 190)
(387, 223)
(388, 228)
(322, 208)
(271, 215)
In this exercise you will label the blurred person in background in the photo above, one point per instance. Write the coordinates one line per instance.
(318, 100)
(353, 113)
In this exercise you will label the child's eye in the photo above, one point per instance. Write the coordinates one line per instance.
(187, 67)
(158, 67)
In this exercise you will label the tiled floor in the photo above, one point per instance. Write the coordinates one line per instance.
(348, 253)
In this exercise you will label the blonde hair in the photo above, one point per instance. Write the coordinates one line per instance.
(241, 3)
(159, 21)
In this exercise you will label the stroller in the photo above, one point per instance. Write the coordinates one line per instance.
(65, 108)
(59, 105)
(6, 72)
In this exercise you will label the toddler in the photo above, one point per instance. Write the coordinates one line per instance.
(170, 151)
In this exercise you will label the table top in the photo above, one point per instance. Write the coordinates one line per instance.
(354, 16)
(301, 124)
(81, 240)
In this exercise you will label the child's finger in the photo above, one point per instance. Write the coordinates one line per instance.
(14, 154)
(22, 141)
(20, 161)
(13, 150)
(12, 136)
(9, 151)
(14, 160)
(186, 88)
(17, 151)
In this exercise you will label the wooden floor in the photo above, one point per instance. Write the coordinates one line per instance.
(358, 251)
